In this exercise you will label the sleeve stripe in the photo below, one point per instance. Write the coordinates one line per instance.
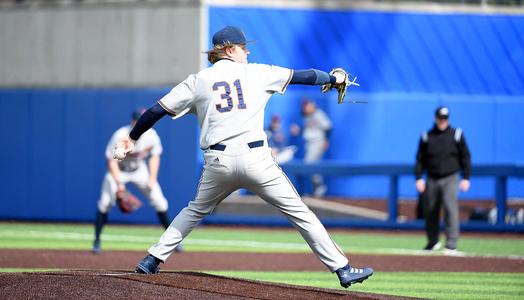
(458, 135)
(169, 111)
(288, 80)
(425, 136)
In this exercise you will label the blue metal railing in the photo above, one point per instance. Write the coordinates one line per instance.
(394, 171)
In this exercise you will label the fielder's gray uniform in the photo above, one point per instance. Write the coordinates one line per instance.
(316, 125)
(229, 99)
(133, 169)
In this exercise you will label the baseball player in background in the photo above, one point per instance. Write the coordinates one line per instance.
(132, 169)
(278, 141)
(229, 99)
(316, 132)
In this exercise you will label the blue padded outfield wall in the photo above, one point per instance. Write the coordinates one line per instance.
(407, 64)
(52, 159)
(390, 52)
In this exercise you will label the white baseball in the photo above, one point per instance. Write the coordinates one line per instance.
(340, 76)
(120, 153)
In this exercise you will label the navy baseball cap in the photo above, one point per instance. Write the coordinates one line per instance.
(442, 112)
(231, 34)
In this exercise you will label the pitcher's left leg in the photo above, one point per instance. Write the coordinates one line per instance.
(281, 194)
(272, 185)
(267, 180)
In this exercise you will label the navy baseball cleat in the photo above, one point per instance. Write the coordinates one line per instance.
(179, 248)
(349, 275)
(148, 265)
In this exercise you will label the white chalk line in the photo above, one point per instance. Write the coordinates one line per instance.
(34, 234)
(138, 239)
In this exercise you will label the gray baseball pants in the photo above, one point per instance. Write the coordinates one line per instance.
(442, 192)
(254, 169)
(314, 153)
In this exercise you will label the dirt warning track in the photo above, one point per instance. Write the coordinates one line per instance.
(126, 260)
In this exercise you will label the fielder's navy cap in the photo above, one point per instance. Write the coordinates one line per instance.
(442, 112)
(231, 34)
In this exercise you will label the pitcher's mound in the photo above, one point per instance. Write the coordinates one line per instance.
(102, 284)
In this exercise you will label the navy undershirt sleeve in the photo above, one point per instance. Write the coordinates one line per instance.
(311, 77)
(147, 120)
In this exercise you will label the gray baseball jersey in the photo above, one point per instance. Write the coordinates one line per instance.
(229, 99)
(221, 100)
(316, 125)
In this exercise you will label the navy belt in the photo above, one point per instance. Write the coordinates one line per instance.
(220, 147)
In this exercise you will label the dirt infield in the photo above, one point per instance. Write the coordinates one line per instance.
(110, 275)
(168, 285)
(126, 260)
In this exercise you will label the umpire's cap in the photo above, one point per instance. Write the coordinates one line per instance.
(231, 34)
(442, 112)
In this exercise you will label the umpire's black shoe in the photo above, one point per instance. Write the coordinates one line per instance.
(349, 275)
(148, 265)
(433, 246)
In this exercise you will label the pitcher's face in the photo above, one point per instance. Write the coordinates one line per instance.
(239, 53)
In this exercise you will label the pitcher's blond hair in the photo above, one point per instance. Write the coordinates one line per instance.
(218, 52)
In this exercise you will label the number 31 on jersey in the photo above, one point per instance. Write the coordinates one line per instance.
(223, 86)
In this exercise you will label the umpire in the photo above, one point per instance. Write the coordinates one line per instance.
(442, 152)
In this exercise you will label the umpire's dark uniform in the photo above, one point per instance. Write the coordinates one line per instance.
(442, 152)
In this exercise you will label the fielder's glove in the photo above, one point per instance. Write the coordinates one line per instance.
(342, 85)
(127, 202)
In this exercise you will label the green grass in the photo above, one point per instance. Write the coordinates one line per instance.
(18, 270)
(418, 284)
(435, 285)
(66, 236)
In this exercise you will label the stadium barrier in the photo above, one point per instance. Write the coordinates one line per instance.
(394, 171)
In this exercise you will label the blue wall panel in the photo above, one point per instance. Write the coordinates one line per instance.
(54, 168)
(83, 162)
(16, 151)
(47, 156)
(391, 51)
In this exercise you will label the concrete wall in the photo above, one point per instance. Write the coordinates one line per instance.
(99, 45)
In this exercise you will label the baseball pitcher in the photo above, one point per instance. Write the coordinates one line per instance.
(229, 99)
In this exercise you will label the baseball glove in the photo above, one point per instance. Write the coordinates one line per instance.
(127, 202)
(340, 87)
